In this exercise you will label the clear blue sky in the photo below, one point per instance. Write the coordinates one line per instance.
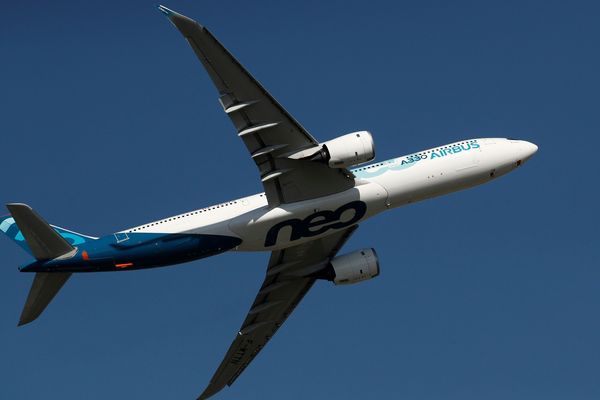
(109, 121)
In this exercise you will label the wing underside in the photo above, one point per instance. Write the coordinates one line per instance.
(287, 157)
(272, 136)
(289, 277)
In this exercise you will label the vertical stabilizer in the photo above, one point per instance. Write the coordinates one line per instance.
(45, 243)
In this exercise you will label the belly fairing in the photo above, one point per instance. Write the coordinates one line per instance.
(296, 223)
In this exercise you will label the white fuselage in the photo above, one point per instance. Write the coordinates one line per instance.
(379, 186)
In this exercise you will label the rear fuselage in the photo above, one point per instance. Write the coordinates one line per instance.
(249, 224)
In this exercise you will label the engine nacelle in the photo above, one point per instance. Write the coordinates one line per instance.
(348, 150)
(355, 267)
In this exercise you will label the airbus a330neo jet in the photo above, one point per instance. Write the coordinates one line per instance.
(314, 198)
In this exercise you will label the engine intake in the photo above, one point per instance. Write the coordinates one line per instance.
(348, 150)
(354, 267)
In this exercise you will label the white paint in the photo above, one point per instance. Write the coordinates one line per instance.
(250, 218)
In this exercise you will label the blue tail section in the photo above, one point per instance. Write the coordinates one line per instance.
(10, 229)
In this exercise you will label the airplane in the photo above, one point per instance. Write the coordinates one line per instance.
(315, 195)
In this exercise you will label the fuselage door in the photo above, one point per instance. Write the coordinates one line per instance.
(121, 237)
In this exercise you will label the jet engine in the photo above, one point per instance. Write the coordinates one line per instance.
(348, 150)
(354, 267)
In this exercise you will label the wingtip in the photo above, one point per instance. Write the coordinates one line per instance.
(209, 392)
(26, 317)
(168, 12)
(180, 21)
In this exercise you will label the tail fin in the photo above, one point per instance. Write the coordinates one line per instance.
(11, 228)
(44, 242)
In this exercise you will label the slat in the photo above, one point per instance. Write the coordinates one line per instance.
(256, 128)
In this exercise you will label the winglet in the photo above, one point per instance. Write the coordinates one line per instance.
(168, 12)
(181, 22)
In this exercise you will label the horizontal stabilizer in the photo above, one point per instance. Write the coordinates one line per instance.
(44, 288)
(44, 242)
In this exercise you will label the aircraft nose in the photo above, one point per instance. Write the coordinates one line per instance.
(529, 149)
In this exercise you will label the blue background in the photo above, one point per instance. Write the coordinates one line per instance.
(109, 121)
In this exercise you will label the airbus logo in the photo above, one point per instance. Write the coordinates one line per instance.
(318, 222)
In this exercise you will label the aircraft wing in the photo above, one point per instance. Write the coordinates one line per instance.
(278, 144)
(289, 276)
